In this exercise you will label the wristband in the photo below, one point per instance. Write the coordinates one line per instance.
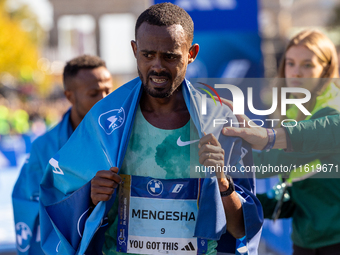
(231, 188)
(271, 139)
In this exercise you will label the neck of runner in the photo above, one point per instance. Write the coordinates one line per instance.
(165, 113)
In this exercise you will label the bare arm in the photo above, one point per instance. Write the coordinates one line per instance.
(211, 154)
(256, 136)
(233, 210)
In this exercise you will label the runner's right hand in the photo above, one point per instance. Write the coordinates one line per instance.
(104, 184)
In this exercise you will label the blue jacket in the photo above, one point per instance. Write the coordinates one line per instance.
(100, 142)
(25, 196)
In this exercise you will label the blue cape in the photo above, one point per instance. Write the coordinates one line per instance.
(25, 196)
(100, 142)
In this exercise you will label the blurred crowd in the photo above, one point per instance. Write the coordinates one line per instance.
(32, 117)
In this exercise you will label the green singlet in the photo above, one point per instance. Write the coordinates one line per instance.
(154, 152)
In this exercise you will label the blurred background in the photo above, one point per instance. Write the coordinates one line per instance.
(238, 38)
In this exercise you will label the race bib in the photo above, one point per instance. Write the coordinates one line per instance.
(158, 216)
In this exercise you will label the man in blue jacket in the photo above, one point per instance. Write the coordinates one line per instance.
(86, 81)
(151, 130)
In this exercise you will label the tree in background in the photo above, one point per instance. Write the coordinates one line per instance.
(20, 39)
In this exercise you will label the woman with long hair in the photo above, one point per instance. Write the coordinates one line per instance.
(311, 193)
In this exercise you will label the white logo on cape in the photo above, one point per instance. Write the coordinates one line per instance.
(111, 120)
(83, 223)
(57, 248)
(242, 250)
(24, 235)
(56, 169)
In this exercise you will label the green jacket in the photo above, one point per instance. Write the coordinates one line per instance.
(320, 125)
(314, 202)
(300, 134)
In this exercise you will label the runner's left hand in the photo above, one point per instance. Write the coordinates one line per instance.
(210, 151)
(211, 154)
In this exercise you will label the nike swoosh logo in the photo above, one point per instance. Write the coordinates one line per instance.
(181, 143)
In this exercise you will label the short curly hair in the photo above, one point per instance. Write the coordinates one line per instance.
(73, 66)
(167, 14)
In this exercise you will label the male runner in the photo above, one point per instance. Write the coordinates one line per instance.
(86, 81)
(139, 131)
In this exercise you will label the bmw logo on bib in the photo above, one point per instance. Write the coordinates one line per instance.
(155, 187)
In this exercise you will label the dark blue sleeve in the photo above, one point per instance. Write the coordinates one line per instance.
(63, 224)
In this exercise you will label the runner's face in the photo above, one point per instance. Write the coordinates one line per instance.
(90, 86)
(162, 54)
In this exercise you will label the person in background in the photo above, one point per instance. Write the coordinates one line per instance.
(86, 81)
(312, 194)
